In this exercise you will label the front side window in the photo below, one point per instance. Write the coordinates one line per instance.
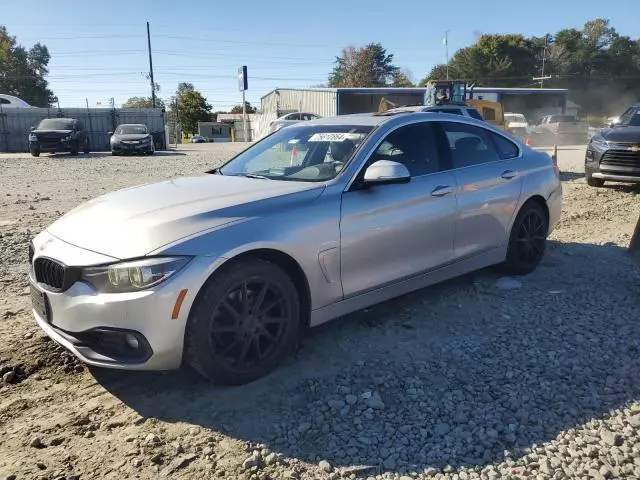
(412, 145)
(469, 145)
(307, 153)
(4, 101)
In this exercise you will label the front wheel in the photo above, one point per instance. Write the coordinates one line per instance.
(86, 148)
(594, 182)
(527, 240)
(244, 322)
(35, 152)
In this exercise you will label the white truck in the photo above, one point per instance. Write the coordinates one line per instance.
(560, 130)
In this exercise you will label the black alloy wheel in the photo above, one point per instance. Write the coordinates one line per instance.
(243, 323)
(528, 240)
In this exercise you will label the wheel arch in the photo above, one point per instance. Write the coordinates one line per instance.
(279, 258)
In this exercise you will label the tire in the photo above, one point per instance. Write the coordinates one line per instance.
(223, 343)
(114, 154)
(86, 148)
(526, 250)
(74, 150)
(594, 182)
(35, 152)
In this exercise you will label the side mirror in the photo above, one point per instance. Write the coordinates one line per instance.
(386, 172)
(33, 128)
(109, 133)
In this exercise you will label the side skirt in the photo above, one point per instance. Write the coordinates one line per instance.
(363, 300)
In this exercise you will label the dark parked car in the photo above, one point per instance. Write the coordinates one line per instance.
(58, 135)
(614, 153)
(198, 139)
(132, 138)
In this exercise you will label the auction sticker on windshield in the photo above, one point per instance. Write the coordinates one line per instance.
(335, 136)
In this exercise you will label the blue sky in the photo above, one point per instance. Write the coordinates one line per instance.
(99, 48)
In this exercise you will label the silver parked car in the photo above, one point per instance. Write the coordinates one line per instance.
(223, 270)
(290, 119)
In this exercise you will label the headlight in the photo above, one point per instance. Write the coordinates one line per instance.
(131, 276)
(599, 142)
(33, 137)
(67, 138)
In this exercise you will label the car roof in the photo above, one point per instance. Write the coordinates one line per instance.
(132, 125)
(380, 118)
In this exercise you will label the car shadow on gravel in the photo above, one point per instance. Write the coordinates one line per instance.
(459, 374)
(570, 176)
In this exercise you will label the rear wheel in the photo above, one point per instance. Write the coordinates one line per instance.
(594, 182)
(528, 240)
(244, 322)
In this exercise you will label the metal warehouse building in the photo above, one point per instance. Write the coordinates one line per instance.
(336, 101)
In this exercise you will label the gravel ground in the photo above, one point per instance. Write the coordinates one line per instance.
(480, 377)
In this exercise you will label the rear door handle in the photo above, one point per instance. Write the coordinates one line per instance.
(508, 174)
(441, 191)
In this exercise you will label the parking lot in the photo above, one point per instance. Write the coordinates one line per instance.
(467, 379)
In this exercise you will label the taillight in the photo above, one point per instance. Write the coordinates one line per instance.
(554, 159)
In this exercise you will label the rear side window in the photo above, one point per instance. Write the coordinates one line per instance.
(506, 148)
(4, 101)
(473, 113)
(469, 145)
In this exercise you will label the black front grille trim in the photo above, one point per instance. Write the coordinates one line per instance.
(621, 158)
(54, 275)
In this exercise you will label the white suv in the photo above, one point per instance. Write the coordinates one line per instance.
(290, 119)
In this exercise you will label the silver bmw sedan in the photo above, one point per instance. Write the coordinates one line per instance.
(222, 271)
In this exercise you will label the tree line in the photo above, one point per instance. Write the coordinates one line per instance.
(600, 67)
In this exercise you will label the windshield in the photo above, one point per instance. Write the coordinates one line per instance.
(131, 130)
(313, 153)
(56, 124)
(516, 118)
(631, 119)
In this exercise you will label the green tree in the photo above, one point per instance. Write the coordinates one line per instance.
(402, 79)
(189, 107)
(238, 108)
(368, 66)
(23, 72)
(142, 102)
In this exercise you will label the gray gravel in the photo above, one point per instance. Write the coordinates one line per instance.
(479, 378)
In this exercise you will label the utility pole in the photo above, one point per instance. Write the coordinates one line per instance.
(446, 46)
(153, 85)
(544, 58)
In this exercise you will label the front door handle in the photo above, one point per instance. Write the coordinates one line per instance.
(508, 174)
(441, 191)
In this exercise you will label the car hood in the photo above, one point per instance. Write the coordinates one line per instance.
(622, 134)
(131, 136)
(135, 221)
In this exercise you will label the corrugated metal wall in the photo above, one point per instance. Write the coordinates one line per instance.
(16, 123)
(321, 102)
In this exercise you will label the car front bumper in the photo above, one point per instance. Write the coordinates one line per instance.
(51, 146)
(616, 165)
(94, 325)
(131, 148)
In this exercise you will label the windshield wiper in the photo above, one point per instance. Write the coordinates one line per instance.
(214, 171)
(251, 175)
